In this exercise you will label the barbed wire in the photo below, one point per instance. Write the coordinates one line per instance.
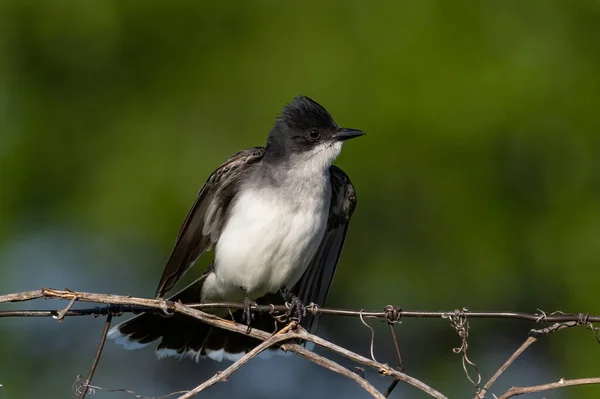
(117, 310)
(116, 305)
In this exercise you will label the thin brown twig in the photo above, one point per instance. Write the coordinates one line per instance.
(389, 390)
(538, 333)
(383, 369)
(397, 347)
(223, 375)
(534, 335)
(392, 386)
(283, 335)
(515, 391)
(481, 394)
(60, 315)
(88, 380)
(335, 367)
(22, 296)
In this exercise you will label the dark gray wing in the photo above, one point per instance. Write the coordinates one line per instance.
(315, 282)
(202, 225)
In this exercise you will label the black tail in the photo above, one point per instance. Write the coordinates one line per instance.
(183, 336)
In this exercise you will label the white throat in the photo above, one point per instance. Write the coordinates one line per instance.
(316, 161)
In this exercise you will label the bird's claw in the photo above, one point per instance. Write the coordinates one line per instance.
(296, 309)
(247, 315)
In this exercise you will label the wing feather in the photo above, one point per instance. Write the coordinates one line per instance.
(202, 225)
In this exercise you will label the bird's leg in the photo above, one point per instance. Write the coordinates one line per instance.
(297, 310)
(247, 315)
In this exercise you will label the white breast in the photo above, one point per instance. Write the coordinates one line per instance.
(268, 241)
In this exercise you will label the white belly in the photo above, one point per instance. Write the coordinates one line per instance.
(268, 242)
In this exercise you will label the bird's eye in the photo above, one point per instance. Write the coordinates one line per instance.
(314, 134)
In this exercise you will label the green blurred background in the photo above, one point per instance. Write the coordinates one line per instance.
(478, 181)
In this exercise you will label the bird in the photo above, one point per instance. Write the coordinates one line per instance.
(277, 217)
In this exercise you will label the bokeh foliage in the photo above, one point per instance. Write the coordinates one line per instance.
(478, 181)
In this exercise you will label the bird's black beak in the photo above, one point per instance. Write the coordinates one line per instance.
(344, 134)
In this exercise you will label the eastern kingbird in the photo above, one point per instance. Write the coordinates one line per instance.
(277, 217)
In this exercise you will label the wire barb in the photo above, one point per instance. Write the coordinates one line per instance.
(313, 308)
(584, 320)
(543, 316)
(393, 314)
(372, 344)
(459, 322)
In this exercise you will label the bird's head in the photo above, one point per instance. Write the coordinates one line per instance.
(306, 133)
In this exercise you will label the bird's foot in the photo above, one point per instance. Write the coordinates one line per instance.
(296, 309)
(247, 315)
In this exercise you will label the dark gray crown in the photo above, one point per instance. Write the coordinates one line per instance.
(304, 113)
